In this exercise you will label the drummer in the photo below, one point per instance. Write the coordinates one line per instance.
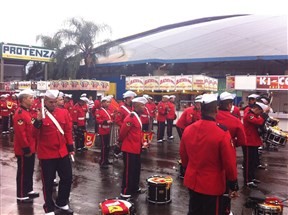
(131, 137)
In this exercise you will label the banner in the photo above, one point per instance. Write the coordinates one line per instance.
(43, 85)
(89, 139)
(184, 82)
(198, 82)
(230, 83)
(27, 53)
(167, 82)
(151, 82)
(136, 83)
(23, 85)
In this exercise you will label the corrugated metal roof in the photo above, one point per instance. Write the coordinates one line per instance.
(248, 37)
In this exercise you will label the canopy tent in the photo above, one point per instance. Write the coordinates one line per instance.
(240, 38)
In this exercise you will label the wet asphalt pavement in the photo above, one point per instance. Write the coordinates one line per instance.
(91, 185)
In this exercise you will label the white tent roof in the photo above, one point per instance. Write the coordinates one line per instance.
(248, 37)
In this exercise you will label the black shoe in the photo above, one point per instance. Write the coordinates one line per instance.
(108, 163)
(33, 195)
(140, 191)
(25, 201)
(261, 167)
(84, 149)
(125, 197)
(256, 181)
(69, 211)
(55, 183)
(251, 184)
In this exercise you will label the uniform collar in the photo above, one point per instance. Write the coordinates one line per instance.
(209, 118)
(24, 108)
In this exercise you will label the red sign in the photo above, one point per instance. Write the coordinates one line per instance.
(272, 82)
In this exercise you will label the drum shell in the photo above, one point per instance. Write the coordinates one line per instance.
(158, 193)
(266, 209)
(276, 139)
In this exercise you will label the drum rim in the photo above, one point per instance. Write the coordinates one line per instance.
(126, 203)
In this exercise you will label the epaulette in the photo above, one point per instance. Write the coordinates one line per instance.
(223, 127)
(131, 114)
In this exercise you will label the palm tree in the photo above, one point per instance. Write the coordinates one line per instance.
(82, 37)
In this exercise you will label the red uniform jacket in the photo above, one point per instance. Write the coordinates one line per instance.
(236, 112)
(4, 110)
(102, 116)
(209, 157)
(188, 116)
(145, 116)
(162, 111)
(79, 114)
(251, 123)
(234, 126)
(24, 132)
(97, 106)
(51, 143)
(152, 109)
(69, 106)
(123, 111)
(131, 134)
(35, 106)
(171, 114)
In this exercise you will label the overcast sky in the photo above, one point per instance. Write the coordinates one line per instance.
(22, 20)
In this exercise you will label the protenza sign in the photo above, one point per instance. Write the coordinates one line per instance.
(272, 82)
(27, 53)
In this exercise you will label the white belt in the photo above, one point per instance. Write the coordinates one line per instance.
(81, 118)
(144, 115)
(4, 110)
(104, 126)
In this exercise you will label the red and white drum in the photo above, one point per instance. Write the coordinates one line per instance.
(116, 207)
(159, 189)
(271, 206)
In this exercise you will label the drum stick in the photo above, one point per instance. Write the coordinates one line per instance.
(42, 108)
(72, 157)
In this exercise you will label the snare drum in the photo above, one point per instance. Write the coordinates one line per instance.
(116, 207)
(268, 209)
(276, 137)
(181, 169)
(159, 189)
(271, 206)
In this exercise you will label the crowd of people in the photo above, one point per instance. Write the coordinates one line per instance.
(53, 127)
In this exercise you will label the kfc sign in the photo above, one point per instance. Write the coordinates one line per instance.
(272, 82)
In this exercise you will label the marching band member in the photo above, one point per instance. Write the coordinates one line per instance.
(68, 104)
(163, 109)
(203, 146)
(79, 120)
(97, 106)
(251, 101)
(55, 143)
(24, 147)
(104, 121)
(124, 110)
(14, 105)
(236, 129)
(171, 116)
(189, 116)
(253, 119)
(152, 108)
(145, 117)
(5, 113)
(131, 136)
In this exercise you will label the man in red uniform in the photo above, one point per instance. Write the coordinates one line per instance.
(254, 118)
(55, 143)
(68, 104)
(189, 116)
(152, 109)
(5, 113)
(24, 147)
(171, 116)
(124, 110)
(161, 118)
(209, 156)
(145, 117)
(79, 115)
(96, 106)
(104, 121)
(236, 129)
(131, 136)
(251, 101)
